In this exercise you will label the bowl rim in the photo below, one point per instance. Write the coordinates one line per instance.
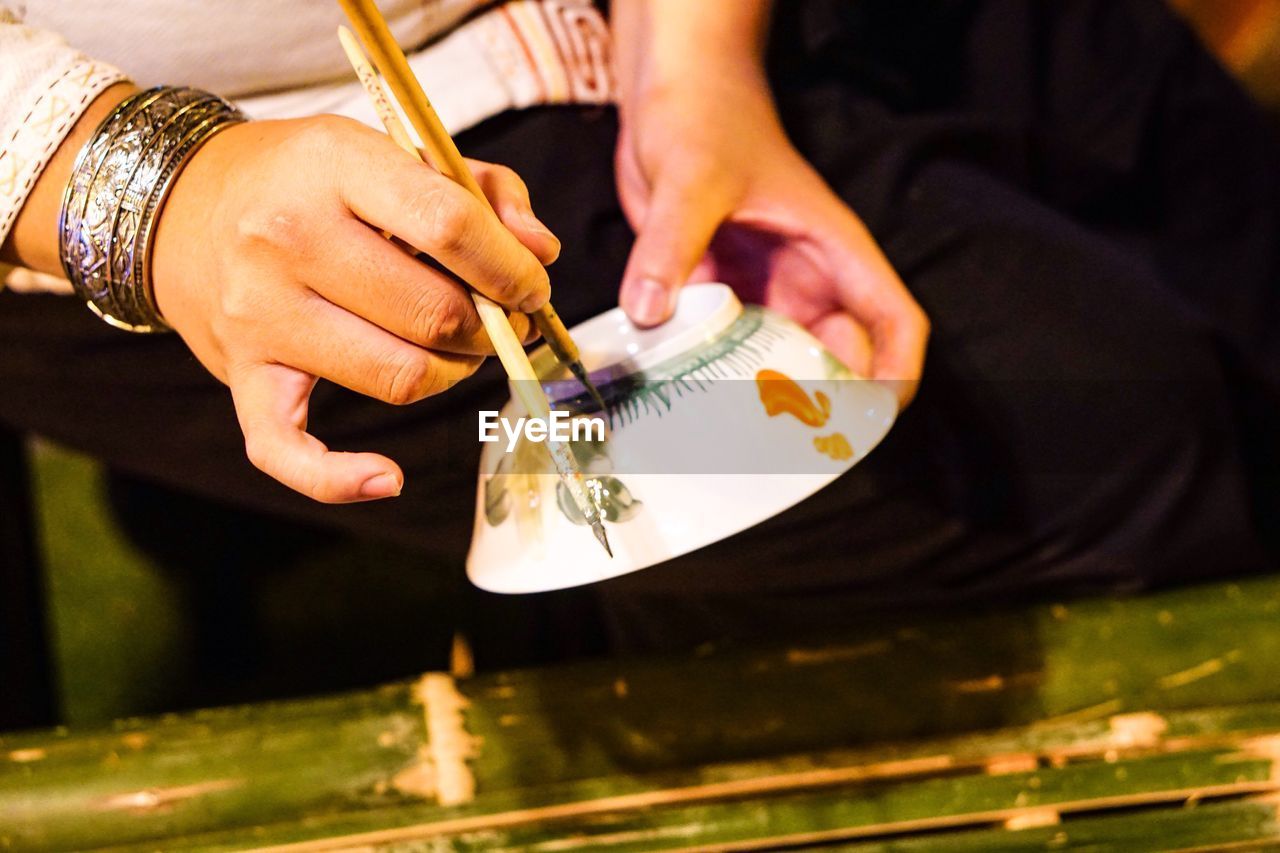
(703, 312)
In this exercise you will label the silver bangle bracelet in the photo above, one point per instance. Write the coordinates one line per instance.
(118, 185)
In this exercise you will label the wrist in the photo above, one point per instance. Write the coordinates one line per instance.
(33, 242)
(661, 45)
(120, 180)
(697, 84)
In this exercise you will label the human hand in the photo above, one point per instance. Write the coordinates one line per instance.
(269, 263)
(716, 192)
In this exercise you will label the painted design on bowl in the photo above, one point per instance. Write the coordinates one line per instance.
(681, 442)
(610, 494)
(780, 394)
(521, 476)
(733, 354)
(516, 487)
(836, 446)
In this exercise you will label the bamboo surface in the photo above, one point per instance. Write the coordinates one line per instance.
(1096, 722)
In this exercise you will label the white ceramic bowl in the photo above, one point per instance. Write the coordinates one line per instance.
(721, 418)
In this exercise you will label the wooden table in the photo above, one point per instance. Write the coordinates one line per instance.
(1147, 724)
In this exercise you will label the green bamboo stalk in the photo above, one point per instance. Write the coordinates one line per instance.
(1048, 680)
(1247, 824)
(950, 783)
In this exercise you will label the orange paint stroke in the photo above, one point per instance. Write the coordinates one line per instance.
(780, 394)
(835, 445)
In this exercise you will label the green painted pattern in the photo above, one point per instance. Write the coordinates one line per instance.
(735, 354)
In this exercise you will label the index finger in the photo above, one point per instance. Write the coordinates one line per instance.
(428, 211)
(873, 293)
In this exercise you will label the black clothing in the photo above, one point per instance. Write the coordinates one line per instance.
(1083, 202)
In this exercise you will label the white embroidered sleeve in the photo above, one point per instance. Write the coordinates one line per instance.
(45, 86)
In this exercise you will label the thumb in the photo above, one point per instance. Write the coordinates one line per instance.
(271, 403)
(672, 239)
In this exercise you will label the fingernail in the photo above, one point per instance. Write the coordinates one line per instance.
(649, 305)
(551, 251)
(380, 486)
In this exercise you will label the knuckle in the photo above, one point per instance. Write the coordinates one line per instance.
(518, 280)
(238, 304)
(406, 379)
(448, 219)
(509, 290)
(318, 489)
(256, 450)
(324, 133)
(507, 182)
(501, 173)
(273, 230)
(431, 318)
(443, 324)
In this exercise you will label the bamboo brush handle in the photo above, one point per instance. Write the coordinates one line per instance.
(514, 359)
(509, 348)
(439, 145)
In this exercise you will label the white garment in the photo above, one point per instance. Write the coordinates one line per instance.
(277, 59)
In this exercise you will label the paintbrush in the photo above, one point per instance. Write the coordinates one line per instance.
(515, 360)
(391, 62)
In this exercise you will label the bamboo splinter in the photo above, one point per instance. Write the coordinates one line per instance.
(525, 382)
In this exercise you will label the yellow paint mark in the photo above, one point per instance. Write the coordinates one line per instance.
(23, 756)
(835, 445)
(781, 394)
(620, 688)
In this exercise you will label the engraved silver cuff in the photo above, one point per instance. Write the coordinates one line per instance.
(118, 184)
